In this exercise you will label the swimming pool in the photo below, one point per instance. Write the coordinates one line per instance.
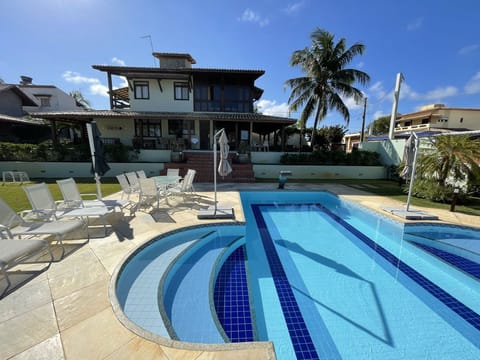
(320, 277)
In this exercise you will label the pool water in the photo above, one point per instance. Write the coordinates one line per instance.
(318, 276)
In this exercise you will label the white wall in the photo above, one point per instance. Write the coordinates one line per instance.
(320, 171)
(391, 151)
(76, 169)
(161, 100)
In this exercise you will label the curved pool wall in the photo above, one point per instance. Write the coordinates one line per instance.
(145, 270)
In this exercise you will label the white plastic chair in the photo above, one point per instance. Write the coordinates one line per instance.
(126, 189)
(173, 172)
(184, 188)
(148, 193)
(132, 180)
(141, 174)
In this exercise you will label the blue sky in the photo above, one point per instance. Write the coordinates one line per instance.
(435, 44)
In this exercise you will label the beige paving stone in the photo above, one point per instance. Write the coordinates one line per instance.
(78, 273)
(95, 337)
(181, 354)
(245, 354)
(29, 329)
(25, 299)
(139, 348)
(50, 349)
(82, 304)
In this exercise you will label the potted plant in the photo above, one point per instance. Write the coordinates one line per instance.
(176, 152)
(243, 155)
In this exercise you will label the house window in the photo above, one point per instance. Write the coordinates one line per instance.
(141, 90)
(44, 100)
(181, 127)
(148, 128)
(181, 91)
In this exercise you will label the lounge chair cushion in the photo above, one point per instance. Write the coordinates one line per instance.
(58, 228)
(12, 250)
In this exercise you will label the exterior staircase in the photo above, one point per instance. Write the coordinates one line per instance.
(202, 162)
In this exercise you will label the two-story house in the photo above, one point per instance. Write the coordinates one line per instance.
(439, 118)
(178, 106)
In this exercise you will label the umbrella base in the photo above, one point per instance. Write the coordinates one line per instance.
(219, 213)
(410, 214)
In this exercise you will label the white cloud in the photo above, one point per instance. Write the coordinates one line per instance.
(294, 8)
(415, 24)
(378, 114)
(378, 91)
(468, 49)
(251, 16)
(270, 107)
(473, 85)
(441, 92)
(94, 85)
(118, 61)
(123, 82)
(76, 78)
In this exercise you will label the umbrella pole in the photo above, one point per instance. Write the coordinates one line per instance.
(414, 167)
(92, 152)
(215, 169)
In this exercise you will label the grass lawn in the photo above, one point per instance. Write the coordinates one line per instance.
(13, 194)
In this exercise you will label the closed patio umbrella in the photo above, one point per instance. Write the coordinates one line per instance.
(408, 156)
(224, 167)
(99, 163)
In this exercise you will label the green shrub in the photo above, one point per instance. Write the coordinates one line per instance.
(336, 157)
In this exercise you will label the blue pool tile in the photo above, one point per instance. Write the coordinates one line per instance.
(470, 267)
(301, 339)
(231, 298)
(458, 307)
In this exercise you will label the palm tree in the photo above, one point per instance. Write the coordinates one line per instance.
(326, 80)
(454, 157)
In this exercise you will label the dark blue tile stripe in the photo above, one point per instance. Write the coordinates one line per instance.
(301, 339)
(231, 298)
(469, 266)
(458, 307)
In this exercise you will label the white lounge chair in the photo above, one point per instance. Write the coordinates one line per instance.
(45, 207)
(73, 198)
(14, 251)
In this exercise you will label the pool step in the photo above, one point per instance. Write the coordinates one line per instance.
(463, 259)
(186, 290)
(138, 287)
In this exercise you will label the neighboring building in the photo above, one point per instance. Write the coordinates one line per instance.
(13, 100)
(430, 120)
(178, 106)
(18, 100)
(438, 118)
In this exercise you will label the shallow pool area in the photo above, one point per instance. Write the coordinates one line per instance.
(316, 275)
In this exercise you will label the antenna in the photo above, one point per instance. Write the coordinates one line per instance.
(151, 45)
